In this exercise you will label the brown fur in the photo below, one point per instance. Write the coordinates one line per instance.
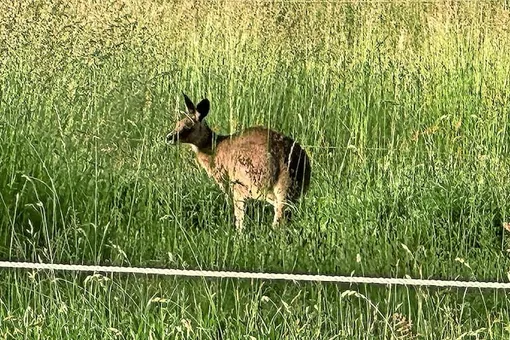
(257, 163)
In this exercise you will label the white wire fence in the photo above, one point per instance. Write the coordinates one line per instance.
(256, 276)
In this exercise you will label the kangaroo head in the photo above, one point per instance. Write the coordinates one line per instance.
(192, 129)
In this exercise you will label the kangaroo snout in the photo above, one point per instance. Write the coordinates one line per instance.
(172, 138)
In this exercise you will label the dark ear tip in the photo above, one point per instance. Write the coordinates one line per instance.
(204, 104)
(189, 103)
(203, 108)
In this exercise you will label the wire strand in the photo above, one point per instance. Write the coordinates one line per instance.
(257, 276)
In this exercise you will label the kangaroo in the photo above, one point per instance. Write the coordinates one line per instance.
(257, 163)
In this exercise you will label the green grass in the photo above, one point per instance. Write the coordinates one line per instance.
(403, 108)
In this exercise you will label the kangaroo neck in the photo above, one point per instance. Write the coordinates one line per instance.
(207, 146)
(205, 152)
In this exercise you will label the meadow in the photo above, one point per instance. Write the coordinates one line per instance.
(402, 106)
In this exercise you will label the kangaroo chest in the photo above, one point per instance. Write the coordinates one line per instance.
(214, 170)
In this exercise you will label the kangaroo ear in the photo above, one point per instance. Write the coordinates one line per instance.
(189, 104)
(203, 109)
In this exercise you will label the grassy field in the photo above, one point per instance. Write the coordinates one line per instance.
(403, 108)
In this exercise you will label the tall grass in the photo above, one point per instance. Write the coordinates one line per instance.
(402, 106)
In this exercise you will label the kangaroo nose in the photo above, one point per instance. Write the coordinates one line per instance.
(171, 138)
